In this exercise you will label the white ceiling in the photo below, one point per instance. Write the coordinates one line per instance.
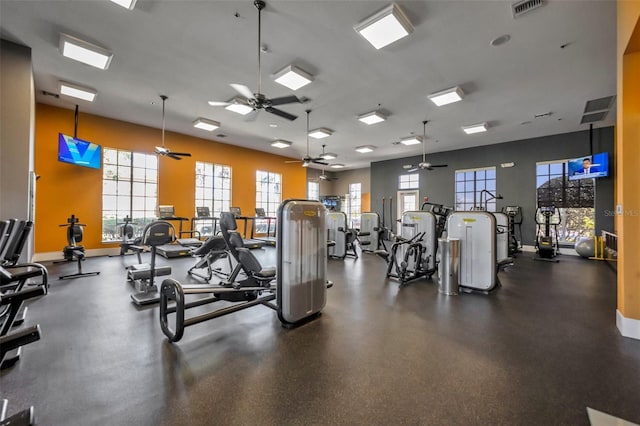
(192, 50)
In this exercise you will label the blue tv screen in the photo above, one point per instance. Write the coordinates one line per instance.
(81, 153)
(590, 166)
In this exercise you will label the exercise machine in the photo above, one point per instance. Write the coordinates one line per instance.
(180, 247)
(369, 233)
(142, 276)
(209, 253)
(476, 231)
(343, 237)
(441, 212)
(514, 213)
(547, 217)
(74, 251)
(129, 241)
(300, 282)
(413, 251)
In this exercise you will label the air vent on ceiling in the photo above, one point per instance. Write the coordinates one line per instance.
(521, 7)
(591, 118)
(598, 104)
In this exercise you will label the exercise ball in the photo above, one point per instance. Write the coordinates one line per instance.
(585, 247)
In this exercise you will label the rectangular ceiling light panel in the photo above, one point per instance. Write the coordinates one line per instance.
(372, 117)
(475, 128)
(365, 149)
(385, 27)
(320, 133)
(411, 140)
(75, 91)
(281, 144)
(205, 124)
(85, 52)
(293, 77)
(127, 4)
(337, 166)
(447, 96)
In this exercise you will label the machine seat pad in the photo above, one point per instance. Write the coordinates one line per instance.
(331, 243)
(268, 272)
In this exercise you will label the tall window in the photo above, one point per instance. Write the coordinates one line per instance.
(213, 187)
(268, 191)
(313, 190)
(411, 181)
(472, 186)
(129, 188)
(574, 199)
(355, 203)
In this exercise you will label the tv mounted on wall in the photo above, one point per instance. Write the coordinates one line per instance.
(81, 153)
(589, 166)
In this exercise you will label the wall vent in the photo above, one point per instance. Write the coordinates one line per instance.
(598, 104)
(591, 118)
(521, 7)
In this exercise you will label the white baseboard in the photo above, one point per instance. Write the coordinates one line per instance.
(57, 255)
(629, 327)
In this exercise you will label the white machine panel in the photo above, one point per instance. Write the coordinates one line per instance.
(369, 223)
(414, 222)
(302, 260)
(476, 231)
(502, 236)
(335, 221)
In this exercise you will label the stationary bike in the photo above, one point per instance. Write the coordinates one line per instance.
(74, 251)
(547, 244)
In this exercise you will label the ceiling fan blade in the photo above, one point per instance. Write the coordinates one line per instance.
(173, 156)
(439, 165)
(243, 90)
(251, 116)
(318, 161)
(284, 100)
(281, 113)
(218, 103)
(181, 154)
(413, 170)
(161, 150)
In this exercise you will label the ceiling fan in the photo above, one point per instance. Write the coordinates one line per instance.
(424, 165)
(162, 150)
(257, 100)
(307, 159)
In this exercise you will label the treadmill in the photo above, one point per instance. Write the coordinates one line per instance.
(183, 246)
(250, 243)
(267, 238)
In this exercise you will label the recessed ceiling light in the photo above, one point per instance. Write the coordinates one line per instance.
(385, 26)
(238, 105)
(127, 4)
(329, 156)
(447, 96)
(273, 125)
(205, 124)
(372, 117)
(411, 140)
(293, 77)
(498, 41)
(75, 91)
(365, 149)
(320, 133)
(337, 166)
(475, 128)
(281, 144)
(85, 52)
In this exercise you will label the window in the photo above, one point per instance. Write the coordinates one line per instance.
(129, 188)
(472, 187)
(355, 202)
(213, 187)
(268, 191)
(574, 199)
(411, 181)
(313, 190)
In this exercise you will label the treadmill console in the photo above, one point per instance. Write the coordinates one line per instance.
(202, 212)
(166, 211)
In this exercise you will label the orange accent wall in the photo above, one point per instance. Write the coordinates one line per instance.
(365, 202)
(628, 158)
(64, 189)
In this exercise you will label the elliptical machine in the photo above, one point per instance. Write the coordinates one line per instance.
(547, 244)
(514, 213)
(74, 251)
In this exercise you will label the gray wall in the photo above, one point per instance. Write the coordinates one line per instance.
(516, 184)
(17, 115)
(341, 185)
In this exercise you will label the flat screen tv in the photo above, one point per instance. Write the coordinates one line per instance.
(81, 153)
(590, 166)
